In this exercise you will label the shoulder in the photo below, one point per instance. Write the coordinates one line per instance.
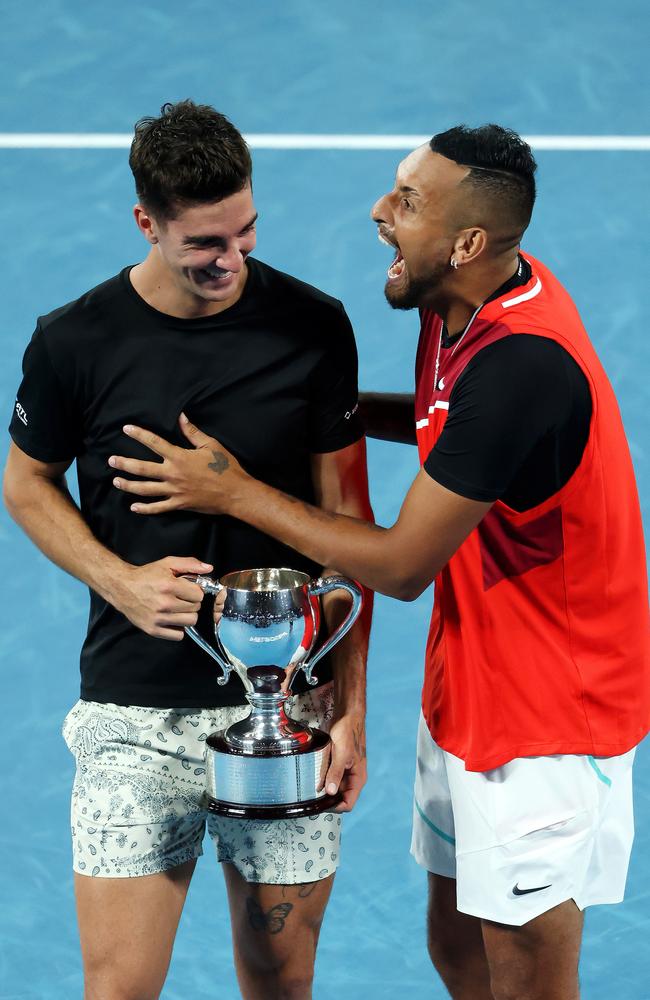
(522, 355)
(76, 314)
(286, 288)
(521, 374)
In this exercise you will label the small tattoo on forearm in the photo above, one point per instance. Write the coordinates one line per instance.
(273, 921)
(220, 463)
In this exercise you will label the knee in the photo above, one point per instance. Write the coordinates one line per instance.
(291, 974)
(516, 985)
(511, 990)
(293, 987)
(102, 982)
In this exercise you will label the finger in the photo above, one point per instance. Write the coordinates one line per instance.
(342, 759)
(142, 489)
(135, 467)
(152, 441)
(351, 788)
(176, 620)
(175, 634)
(193, 434)
(187, 564)
(161, 507)
(184, 590)
(217, 609)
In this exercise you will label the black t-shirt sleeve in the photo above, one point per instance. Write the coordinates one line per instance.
(334, 419)
(43, 423)
(517, 425)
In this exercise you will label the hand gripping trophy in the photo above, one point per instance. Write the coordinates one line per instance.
(268, 766)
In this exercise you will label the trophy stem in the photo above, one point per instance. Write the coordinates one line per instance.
(268, 726)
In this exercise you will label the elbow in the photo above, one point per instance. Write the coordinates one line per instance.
(408, 588)
(9, 496)
(407, 593)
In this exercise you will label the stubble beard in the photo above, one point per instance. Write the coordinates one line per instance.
(416, 292)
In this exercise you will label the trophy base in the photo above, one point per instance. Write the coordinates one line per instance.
(270, 783)
(293, 810)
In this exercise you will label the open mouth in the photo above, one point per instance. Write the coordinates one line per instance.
(397, 267)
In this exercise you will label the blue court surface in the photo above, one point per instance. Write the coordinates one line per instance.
(354, 68)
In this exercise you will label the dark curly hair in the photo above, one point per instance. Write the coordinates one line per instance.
(501, 165)
(190, 154)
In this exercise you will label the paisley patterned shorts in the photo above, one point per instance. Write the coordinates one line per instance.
(139, 805)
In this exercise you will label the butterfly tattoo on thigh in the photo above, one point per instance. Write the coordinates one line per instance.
(273, 921)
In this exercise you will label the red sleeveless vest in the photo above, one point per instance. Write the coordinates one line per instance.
(539, 641)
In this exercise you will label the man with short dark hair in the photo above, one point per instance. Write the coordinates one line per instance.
(269, 364)
(537, 680)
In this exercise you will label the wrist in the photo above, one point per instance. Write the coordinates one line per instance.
(352, 705)
(240, 494)
(112, 581)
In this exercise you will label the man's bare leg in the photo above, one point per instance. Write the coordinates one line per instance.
(275, 933)
(538, 961)
(455, 943)
(127, 928)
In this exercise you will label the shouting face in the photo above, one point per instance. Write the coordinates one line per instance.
(417, 219)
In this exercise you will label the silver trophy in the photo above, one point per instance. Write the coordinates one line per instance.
(268, 765)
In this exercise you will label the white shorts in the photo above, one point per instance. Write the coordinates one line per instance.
(522, 838)
(139, 805)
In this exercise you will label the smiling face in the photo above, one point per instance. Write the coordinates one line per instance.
(203, 249)
(416, 218)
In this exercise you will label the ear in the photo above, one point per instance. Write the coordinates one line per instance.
(145, 224)
(469, 244)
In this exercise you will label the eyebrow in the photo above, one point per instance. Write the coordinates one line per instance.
(211, 241)
(405, 189)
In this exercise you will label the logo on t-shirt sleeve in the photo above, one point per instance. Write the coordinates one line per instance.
(21, 413)
(347, 415)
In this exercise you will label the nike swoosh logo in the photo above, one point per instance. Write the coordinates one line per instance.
(524, 892)
(441, 383)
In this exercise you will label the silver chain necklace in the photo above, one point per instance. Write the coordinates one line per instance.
(456, 345)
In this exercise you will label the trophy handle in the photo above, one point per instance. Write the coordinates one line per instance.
(209, 586)
(321, 586)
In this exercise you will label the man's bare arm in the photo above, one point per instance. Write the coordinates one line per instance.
(152, 597)
(400, 561)
(341, 486)
(389, 416)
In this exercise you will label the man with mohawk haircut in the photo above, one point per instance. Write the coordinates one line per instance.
(525, 512)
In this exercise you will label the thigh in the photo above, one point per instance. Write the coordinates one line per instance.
(127, 928)
(276, 925)
(138, 797)
(433, 843)
(537, 960)
(457, 934)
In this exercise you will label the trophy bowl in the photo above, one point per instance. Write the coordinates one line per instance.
(268, 765)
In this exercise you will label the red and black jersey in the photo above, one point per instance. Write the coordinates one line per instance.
(539, 640)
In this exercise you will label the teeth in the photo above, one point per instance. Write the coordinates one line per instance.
(216, 272)
(396, 268)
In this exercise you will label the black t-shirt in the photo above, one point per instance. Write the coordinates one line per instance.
(274, 377)
(518, 421)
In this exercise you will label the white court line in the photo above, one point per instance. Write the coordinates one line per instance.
(122, 140)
